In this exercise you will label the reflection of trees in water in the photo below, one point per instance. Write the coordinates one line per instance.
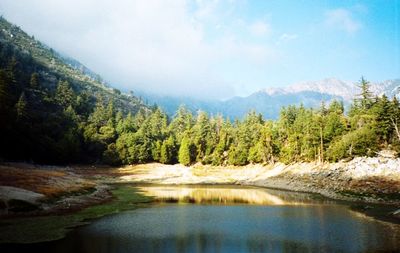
(226, 195)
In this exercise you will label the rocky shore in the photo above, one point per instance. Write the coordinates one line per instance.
(375, 180)
(41, 189)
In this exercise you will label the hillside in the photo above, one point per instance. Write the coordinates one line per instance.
(49, 103)
(52, 66)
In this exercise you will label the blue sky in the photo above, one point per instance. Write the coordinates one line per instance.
(218, 49)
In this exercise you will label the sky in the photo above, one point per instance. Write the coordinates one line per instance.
(218, 48)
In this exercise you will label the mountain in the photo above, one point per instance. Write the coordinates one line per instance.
(52, 67)
(53, 109)
(269, 101)
(346, 90)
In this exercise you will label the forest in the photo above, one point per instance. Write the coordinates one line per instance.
(48, 117)
(64, 125)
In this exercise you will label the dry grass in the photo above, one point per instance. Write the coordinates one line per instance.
(49, 182)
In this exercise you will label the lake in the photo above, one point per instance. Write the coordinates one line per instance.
(231, 219)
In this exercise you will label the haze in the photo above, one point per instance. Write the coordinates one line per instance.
(217, 49)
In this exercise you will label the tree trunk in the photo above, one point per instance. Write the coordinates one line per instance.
(322, 146)
(396, 128)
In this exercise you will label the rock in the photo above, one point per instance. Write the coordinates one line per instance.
(387, 154)
(9, 193)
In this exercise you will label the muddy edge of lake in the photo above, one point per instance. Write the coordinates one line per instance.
(54, 189)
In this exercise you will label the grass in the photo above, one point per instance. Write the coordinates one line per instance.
(47, 182)
(49, 228)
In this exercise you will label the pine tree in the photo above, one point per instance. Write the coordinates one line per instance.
(140, 118)
(186, 152)
(395, 117)
(34, 82)
(65, 96)
(5, 97)
(156, 150)
(366, 94)
(21, 108)
(181, 122)
(383, 111)
(168, 151)
(202, 134)
(223, 142)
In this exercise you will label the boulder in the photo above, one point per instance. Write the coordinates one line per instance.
(19, 200)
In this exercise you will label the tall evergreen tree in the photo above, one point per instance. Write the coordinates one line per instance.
(65, 96)
(168, 151)
(187, 151)
(365, 95)
(34, 81)
(21, 108)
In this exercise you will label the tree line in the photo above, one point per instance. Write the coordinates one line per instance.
(299, 134)
(61, 124)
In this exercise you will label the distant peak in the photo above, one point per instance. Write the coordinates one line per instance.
(273, 91)
(336, 87)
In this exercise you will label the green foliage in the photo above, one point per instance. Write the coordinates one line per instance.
(52, 113)
(187, 151)
(300, 134)
(34, 82)
(365, 100)
(168, 151)
(47, 105)
(265, 149)
(238, 154)
(111, 155)
(361, 142)
(156, 150)
(21, 108)
(202, 134)
(64, 96)
(181, 122)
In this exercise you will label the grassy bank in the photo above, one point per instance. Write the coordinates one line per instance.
(48, 228)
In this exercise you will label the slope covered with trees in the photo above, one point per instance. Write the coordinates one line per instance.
(52, 112)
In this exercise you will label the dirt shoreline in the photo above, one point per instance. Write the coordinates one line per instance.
(72, 188)
(36, 197)
(373, 180)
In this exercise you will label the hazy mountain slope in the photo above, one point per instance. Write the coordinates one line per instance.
(52, 108)
(269, 106)
(52, 67)
(270, 100)
(170, 103)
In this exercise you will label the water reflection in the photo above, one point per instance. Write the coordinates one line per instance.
(234, 228)
(225, 195)
(279, 221)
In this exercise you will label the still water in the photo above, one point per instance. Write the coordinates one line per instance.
(233, 219)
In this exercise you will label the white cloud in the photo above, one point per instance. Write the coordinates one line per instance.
(153, 45)
(260, 28)
(342, 19)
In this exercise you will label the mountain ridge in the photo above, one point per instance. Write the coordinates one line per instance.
(345, 89)
(58, 66)
(269, 101)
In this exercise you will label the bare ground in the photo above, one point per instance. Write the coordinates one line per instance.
(55, 189)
